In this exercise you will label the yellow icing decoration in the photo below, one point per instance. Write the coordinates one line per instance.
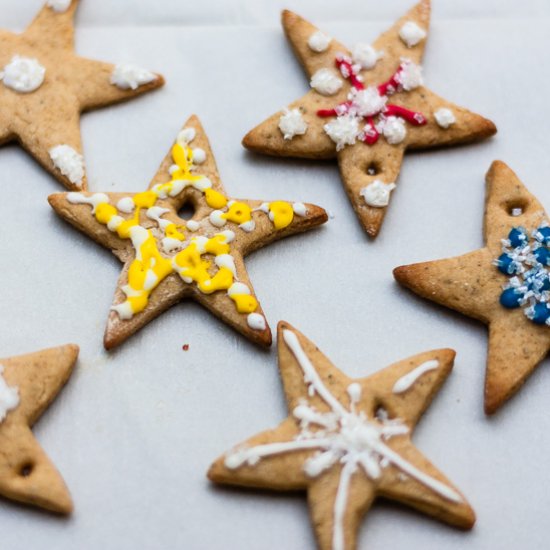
(214, 199)
(150, 267)
(238, 212)
(281, 213)
(245, 303)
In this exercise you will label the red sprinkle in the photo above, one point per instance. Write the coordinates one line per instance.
(185, 347)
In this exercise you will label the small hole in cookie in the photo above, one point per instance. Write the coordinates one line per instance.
(381, 413)
(187, 211)
(26, 469)
(373, 169)
(516, 208)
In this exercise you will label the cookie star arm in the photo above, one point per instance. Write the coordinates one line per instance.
(515, 349)
(336, 525)
(406, 388)
(54, 29)
(505, 192)
(469, 284)
(282, 472)
(392, 44)
(444, 501)
(360, 166)
(94, 88)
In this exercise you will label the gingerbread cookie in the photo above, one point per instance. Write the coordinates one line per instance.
(44, 86)
(28, 384)
(348, 441)
(166, 258)
(505, 284)
(367, 106)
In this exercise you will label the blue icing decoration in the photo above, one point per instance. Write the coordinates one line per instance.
(525, 259)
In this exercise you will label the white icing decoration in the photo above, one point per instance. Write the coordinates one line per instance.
(59, 6)
(227, 261)
(9, 396)
(216, 218)
(411, 34)
(192, 225)
(131, 77)
(365, 55)
(248, 226)
(405, 382)
(299, 209)
(341, 436)
(291, 123)
(23, 74)
(238, 288)
(256, 321)
(93, 200)
(367, 102)
(199, 155)
(68, 162)
(343, 130)
(444, 117)
(126, 205)
(377, 193)
(394, 130)
(410, 75)
(186, 136)
(326, 82)
(319, 41)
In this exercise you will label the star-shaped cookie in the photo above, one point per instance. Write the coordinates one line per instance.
(166, 258)
(504, 284)
(44, 86)
(28, 384)
(348, 441)
(367, 106)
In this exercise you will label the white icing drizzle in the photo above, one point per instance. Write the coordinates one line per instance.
(23, 74)
(340, 436)
(93, 200)
(326, 82)
(131, 77)
(411, 34)
(406, 381)
(69, 162)
(319, 41)
(59, 6)
(9, 396)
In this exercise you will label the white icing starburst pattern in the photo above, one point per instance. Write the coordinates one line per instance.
(341, 435)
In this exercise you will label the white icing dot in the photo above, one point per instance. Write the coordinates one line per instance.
(59, 6)
(367, 102)
(228, 235)
(124, 310)
(410, 75)
(192, 225)
(411, 34)
(319, 41)
(68, 162)
(238, 288)
(343, 130)
(126, 205)
(354, 392)
(216, 218)
(444, 117)
(394, 130)
(377, 193)
(248, 226)
(199, 155)
(23, 74)
(187, 135)
(127, 76)
(326, 82)
(365, 55)
(256, 321)
(291, 123)
(299, 209)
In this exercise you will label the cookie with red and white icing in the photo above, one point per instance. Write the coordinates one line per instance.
(28, 384)
(45, 85)
(366, 107)
(505, 284)
(168, 259)
(346, 442)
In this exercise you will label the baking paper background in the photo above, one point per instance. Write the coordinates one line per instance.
(135, 430)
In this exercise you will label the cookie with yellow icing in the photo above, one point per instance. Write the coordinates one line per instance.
(45, 85)
(347, 442)
(28, 384)
(505, 284)
(166, 258)
(368, 105)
